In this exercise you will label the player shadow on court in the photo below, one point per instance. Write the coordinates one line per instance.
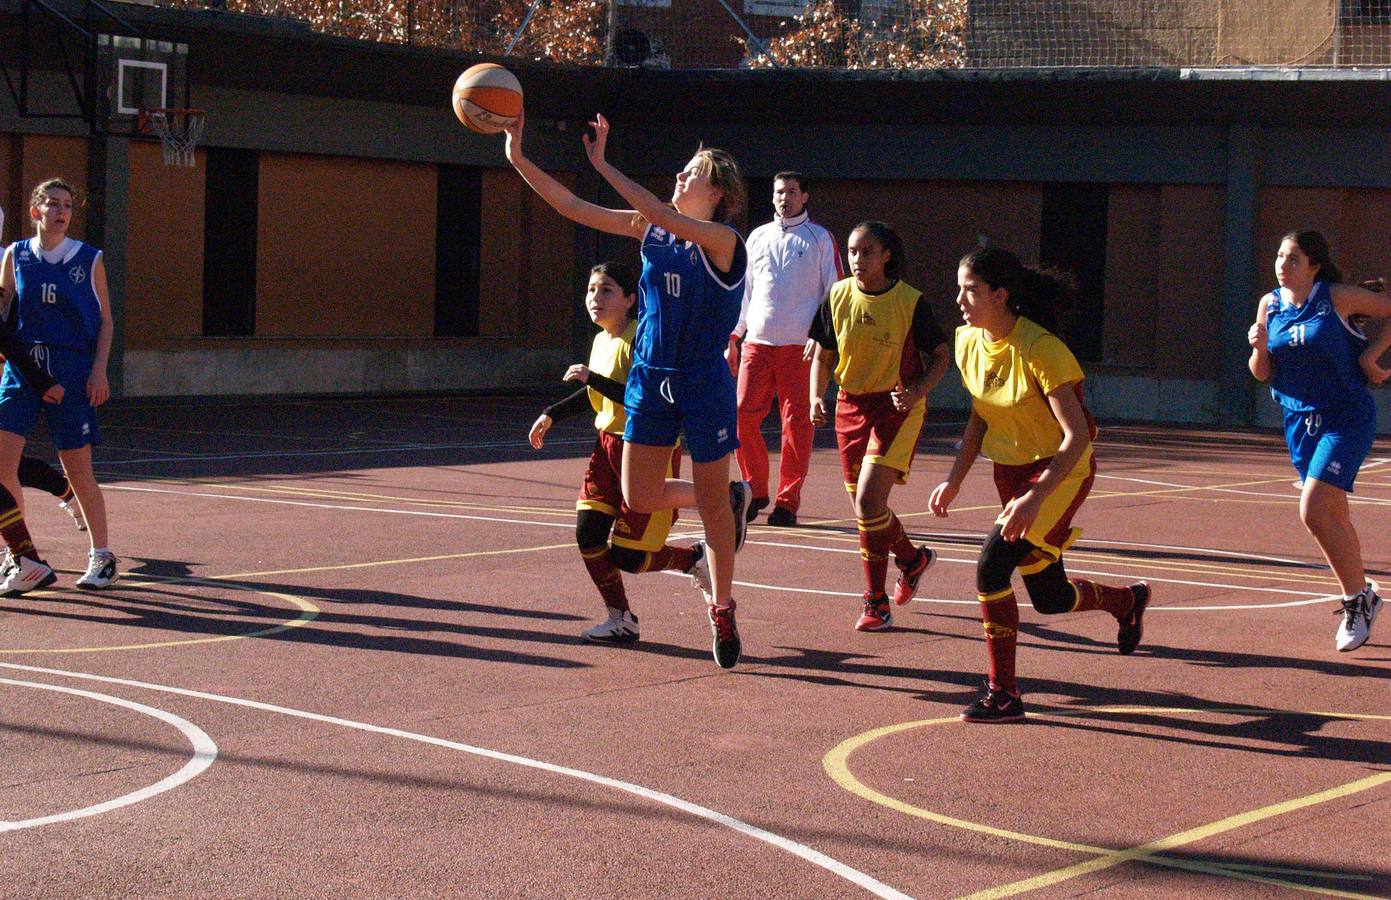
(1284, 734)
(1059, 641)
(163, 607)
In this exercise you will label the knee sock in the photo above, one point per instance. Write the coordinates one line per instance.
(904, 551)
(1117, 601)
(678, 559)
(875, 539)
(14, 532)
(1000, 614)
(607, 578)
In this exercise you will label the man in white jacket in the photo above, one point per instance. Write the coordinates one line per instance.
(792, 264)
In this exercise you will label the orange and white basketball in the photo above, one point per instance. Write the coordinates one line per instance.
(487, 98)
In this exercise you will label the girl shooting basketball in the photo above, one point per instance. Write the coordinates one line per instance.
(1027, 416)
(688, 304)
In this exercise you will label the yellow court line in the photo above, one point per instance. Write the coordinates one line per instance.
(308, 612)
(836, 765)
(1098, 557)
(328, 494)
(389, 562)
(1145, 852)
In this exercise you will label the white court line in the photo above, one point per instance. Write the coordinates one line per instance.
(204, 752)
(344, 451)
(380, 509)
(816, 857)
(1307, 601)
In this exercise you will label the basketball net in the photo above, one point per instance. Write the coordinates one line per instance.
(179, 131)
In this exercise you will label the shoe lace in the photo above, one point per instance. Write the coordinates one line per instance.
(723, 620)
(875, 605)
(1352, 608)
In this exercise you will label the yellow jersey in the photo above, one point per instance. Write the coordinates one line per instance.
(877, 336)
(1009, 381)
(611, 356)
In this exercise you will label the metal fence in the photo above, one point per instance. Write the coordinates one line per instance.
(855, 34)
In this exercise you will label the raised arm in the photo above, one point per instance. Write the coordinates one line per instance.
(611, 221)
(716, 239)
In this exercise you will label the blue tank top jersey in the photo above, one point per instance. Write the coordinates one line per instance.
(686, 309)
(1314, 354)
(56, 303)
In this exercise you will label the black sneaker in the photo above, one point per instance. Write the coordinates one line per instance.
(1133, 625)
(756, 506)
(995, 707)
(782, 517)
(739, 494)
(725, 646)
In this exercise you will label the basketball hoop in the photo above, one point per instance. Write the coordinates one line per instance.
(179, 131)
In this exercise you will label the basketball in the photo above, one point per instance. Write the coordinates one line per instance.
(487, 98)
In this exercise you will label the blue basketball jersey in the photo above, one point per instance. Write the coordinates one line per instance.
(686, 310)
(56, 303)
(1314, 354)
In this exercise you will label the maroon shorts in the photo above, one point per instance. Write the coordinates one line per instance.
(869, 428)
(603, 491)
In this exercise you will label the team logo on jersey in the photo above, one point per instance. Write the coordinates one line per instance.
(994, 379)
(864, 318)
(77, 274)
(659, 232)
(1323, 307)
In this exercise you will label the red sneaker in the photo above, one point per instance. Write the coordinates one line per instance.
(877, 615)
(908, 578)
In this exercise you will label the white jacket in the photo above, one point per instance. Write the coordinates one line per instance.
(792, 265)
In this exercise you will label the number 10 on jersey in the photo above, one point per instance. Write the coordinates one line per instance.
(673, 283)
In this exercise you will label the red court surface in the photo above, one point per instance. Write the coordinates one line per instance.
(343, 660)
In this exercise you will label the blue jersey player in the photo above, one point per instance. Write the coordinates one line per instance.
(61, 316)
(1304, 344)
(689, 295)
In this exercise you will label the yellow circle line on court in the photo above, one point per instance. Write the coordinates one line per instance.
(837, 765)
(308, 610)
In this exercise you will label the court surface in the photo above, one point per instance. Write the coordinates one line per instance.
(343, 660)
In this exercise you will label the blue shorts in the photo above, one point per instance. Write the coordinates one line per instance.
(1331, 446)
(72, 424)
(663, 403)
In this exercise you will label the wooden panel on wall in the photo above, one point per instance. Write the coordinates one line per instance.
(164, 249)
(501, 256)
(345, 248)
(527, 281)
(1133, 237)
(1190, 280)
(44, 157)
(939, 221)
(1281, 210)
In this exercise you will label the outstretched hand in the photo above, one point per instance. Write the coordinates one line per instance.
(595, 146)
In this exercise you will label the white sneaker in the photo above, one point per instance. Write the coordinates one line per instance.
(101, 570)
(7, 562)
(72, 509)
(700, 573)
(25, 576)
(1358, 614)
(621, 627)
